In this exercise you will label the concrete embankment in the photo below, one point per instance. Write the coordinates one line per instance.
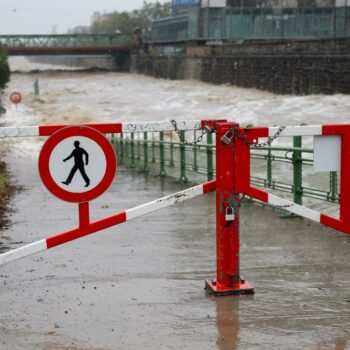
(300, 67)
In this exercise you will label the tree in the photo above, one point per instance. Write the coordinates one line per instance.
(126, 22)
(4, 68)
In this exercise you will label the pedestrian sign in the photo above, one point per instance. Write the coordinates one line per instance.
(77, 164)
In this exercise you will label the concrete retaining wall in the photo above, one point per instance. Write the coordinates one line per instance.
(285, 67)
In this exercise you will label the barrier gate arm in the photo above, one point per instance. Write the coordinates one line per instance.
(48, 130)
(253, 135)
(36, 131)
(86, 228)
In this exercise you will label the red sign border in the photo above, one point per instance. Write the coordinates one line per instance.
(54, 140)
(13, 97)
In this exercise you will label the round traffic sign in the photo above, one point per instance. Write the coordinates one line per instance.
(16, 97)
(77, 164)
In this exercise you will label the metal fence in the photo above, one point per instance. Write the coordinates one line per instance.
(253, 23)
(286, 170)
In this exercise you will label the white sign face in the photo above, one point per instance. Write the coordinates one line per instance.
(77, 164)
(327, 153)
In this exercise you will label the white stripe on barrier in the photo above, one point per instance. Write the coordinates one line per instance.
(162, 126)
(308, 130)
(130, 214)
(30, 131)
(23, 131)
(21, 252)
(164, 202)
(294, 208)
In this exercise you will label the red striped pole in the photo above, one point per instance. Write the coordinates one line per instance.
(86, 228)
(228, 279)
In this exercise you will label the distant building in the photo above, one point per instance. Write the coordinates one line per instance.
(183, 6)
(96, 17)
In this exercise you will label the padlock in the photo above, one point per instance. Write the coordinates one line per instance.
(230, 215)
(226, 139)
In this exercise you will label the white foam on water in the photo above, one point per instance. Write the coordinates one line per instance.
(77, 97)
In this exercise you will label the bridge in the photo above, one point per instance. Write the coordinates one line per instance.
(66, 44)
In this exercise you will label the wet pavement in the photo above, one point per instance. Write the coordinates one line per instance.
(140, 285)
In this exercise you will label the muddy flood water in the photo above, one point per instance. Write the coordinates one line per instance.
(140, 285)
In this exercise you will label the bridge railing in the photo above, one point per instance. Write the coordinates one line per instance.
(66, 40)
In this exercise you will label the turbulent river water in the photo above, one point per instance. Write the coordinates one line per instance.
(141, 286)
(82, 97)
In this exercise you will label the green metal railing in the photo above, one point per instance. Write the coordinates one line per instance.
(253, 23)
(284, 170)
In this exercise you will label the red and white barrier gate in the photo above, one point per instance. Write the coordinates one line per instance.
(233, 179)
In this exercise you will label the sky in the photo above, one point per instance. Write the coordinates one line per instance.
(45, 16)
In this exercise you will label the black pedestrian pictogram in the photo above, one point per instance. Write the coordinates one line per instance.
(78, 153)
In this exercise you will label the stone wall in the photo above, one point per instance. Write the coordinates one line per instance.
(284, 67)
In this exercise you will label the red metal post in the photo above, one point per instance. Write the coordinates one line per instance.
(228, 280)
(84, 215)
(343, 224)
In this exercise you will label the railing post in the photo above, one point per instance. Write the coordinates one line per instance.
(121, 148)
(195, 165)
(297, 171)
(153, 149)
(162, 154)
(138, 146)
(183, 177)
(228, 279)
(210, 162)
(127, 157)
(171, 150)
(269, 166)
(333, 186)
(145, 153)
(132, 145)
